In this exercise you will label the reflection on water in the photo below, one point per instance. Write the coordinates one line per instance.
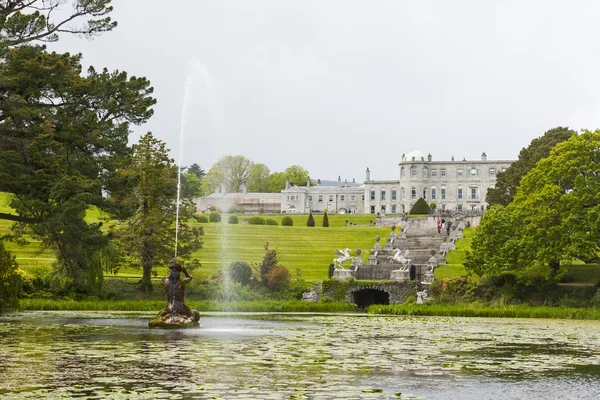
(114, 355)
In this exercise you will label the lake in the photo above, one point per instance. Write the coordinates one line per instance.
(293, 356)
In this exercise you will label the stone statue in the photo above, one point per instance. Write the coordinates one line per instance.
(422, 297)
(399, 257)
(176, 314)
(310, 296)
(343, 256)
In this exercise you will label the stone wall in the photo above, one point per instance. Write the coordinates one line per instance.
(397, 291)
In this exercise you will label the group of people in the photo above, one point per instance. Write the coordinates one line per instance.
(441, 225)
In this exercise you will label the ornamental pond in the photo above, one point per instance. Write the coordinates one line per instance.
(114, 355)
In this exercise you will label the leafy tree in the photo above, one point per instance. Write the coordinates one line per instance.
(240, 271)
(258, 179)
(278, 278)
(148, 237)
(420, 207)
(196, 170)
(325, 220)
(553, 218)
(311, 220)
(268, 263)
(10, 280)
(230, 172)
(276, 182)
(508, 181)
(191, 186)
(298, 175)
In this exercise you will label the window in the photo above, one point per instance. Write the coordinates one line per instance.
(341, 197)
(433, 173)
(459, 194)
(402, 172)
(492, 172)
(393, 194)
(394, 209)
(425, 194)
(459, 172)
(413, 193)
(413, 171)
(382, 194)
(443, 193)
(320, 198)
(372, 209)
(473, 193)
(433, 194)
(353, 197)
(443, 173)
(363, 197)
(424, 172)
(310, 197)
(372, 194)
(383, 209)
(330, 197)
(473, 171)
(459, 208)
(403, 193)
(288, 198)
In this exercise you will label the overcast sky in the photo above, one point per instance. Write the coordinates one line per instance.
(339, 86)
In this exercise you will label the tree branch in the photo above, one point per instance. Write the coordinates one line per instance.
(18, 218)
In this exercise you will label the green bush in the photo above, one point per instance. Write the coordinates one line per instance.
(420, 207)
(278, 278)
(311, 220)
(432, 205)
(240, 271)
(203, 219)
(325, 220)
(287, 221)
(271, 221)
(214, 216)
(233, 219)
(10, 280)
(256, 221)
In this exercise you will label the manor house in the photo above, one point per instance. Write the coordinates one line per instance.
(452, 185)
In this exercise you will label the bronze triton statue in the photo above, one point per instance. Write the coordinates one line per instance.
(176, 314)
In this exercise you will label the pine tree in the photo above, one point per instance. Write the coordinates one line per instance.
(325, 220)
(311, 220)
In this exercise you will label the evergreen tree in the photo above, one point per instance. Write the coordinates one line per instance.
(268, 263)
(10, 280)
(325, 220)
(311, 220)
(420, 207)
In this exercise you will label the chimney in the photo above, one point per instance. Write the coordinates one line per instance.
(429, 157)
(287, 182)
(368, 174)
(452, 158)
(483, 156)
(339, 181)
(353, 180)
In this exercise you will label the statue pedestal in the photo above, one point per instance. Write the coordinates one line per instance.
(175, 321)
(342, 274)
(399, 275)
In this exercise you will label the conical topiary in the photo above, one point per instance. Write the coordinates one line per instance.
(325, 220)
(311, 220)
(420, 207)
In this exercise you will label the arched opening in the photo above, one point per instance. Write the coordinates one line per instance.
(365, 297)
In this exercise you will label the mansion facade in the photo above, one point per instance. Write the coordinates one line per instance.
(451, 185)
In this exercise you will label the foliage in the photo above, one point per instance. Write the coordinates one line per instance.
(258, 179)
(420, 207)
(233, 219)
(214, 216)
(148, 237)
(10, 280)
(278, 277)
(202, 219)
(325, 220)
(229, 172)
(191, 186)
(276, 182)
(257, 221)
(432, 205)
(311, 220)
(553, 219)
(287, 221)
(271, 221)
(298, 176)
(508, 181)
(268, 263)
(241, 272)
(196, 170)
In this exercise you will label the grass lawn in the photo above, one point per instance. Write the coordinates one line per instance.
(456, 258)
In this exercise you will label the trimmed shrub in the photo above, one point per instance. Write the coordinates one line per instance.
(271, 221)
(240, 271)
(325, 220)
(278, 278)
(287, 221)
(203, 219)
(420, 207)
(256, 221)
(214, 216)
(233, 219)
(311, 220)
(432, 205)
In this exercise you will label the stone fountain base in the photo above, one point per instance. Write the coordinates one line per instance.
(175, 321)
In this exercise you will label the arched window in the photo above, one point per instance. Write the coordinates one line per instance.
(372, 197)
(383, 194)
(413, 172)
(413, 193)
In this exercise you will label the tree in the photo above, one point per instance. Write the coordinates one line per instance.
(278, 278)
(420, 207)
(325, 220)
(65, 135)
(148, 237)
(276, 182)
(240, 271)
(311, 220)
(258, 179)
(268, 263)
(508, 181)
(298, 175)
(191, 186)
(10, 280)
(195, 169)
(554, 217)
(229, 172)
